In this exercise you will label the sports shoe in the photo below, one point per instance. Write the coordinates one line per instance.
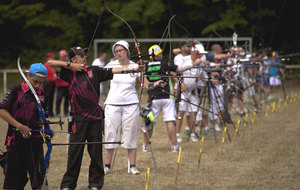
(194, 138)
(145, 148)
(242, 114)
(134, 171)
(208, 132)
(186, 132)
(94, 188)
(217, 128)
(107, 170)
(175, 148)
(179, 139)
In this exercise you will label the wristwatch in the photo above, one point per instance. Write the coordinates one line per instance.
(68, 63)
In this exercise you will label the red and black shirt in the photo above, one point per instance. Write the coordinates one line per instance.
(84, 90)
(21, 104)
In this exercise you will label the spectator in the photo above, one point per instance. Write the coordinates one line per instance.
(49, 85)
(62, 88)
(100, 62)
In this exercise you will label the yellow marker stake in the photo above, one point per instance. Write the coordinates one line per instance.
(295, 97)
(278, 104)
(253, 117)
(147, 175)
(291, 99)
(223, 139)
(245, 124)
(267, 111)
(252, 122)
(177, 170)
(273, 106)
(201, 145)
(286, 99)
(236, 130)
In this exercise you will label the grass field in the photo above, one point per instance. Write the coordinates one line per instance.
(266, 157)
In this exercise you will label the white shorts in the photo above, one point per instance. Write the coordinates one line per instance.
(167, 106)
(275, 81)
(121, 119)
(199, 116)
(191, 97)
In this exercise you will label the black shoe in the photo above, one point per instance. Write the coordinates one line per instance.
(242, 114)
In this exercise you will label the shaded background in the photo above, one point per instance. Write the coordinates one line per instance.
(32, 28)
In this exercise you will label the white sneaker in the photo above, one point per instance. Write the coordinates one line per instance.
(217, 128)
(175, 148)
(107, 170)
(179, 139)
(94, 188)
(145, 148)
(134, 171)
(194, 138)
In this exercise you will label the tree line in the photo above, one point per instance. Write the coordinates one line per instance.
(32, 28)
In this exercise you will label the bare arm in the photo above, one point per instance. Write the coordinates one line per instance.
(117, 70)
(57, 64)
(152, 85)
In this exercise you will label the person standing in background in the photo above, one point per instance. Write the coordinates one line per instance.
(100, 62)
(62, 88)
(49, 85)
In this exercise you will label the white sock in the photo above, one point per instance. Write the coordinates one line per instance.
(206, 128)
(177, 134)
(187, 128)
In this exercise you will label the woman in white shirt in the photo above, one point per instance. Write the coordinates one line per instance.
(122, 107)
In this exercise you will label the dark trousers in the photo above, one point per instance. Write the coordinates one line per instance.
(29, 158)
(90, 131)
(49, 89)
(62, 92)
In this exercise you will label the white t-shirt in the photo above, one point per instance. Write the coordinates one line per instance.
(182, 60)
(122, 87)
(98, 63)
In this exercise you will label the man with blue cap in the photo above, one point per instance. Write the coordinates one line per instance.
(23, 141)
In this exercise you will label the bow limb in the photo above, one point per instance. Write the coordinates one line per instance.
(137, 47)
(43, 118)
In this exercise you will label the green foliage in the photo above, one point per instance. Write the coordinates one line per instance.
(33, 28)
(231, 18)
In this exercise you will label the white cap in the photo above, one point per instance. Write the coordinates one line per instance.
(200, 48)
(122, 43)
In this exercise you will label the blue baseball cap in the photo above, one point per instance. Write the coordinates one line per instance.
(38, 69)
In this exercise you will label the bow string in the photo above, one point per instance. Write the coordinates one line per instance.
(42, 115)
(137, 47)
